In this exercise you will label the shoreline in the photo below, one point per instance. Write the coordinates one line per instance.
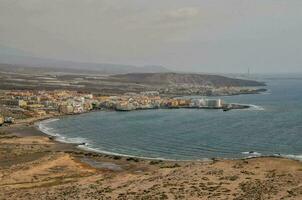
(32, 130)
(40, 167)
(82, 146)
(34, 121)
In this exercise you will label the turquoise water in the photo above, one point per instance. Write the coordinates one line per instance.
(273, 126)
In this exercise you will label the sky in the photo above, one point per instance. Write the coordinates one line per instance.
(219, 36)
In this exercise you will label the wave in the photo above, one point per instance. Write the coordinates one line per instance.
(252, 154)
(97, 150)
(47, 130)
(44, 127)
(255, 107)
(75, 140)
(267, 92)
(58, 137)
(290, 156)
(252, 107)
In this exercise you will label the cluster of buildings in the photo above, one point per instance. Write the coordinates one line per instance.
(153, 100)
(186, 90)
(25, 104)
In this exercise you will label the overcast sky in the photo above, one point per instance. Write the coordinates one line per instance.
(192, 35)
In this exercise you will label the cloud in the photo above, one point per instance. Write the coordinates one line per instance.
(170, 32)
(106, 30)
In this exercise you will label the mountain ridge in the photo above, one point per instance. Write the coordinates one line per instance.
(192, 79)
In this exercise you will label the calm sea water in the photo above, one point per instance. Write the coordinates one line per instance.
(273, 126)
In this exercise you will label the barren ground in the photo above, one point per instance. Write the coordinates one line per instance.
(33, 166)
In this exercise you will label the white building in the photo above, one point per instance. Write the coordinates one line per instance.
(206, 103)
(214, 103)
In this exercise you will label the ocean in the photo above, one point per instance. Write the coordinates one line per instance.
(272, 126)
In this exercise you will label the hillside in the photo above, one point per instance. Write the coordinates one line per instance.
(41, 78)
(44, 65)
(185, 79)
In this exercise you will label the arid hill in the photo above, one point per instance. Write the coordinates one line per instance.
(185, 79)
(34, 78)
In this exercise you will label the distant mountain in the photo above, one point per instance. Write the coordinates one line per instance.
(185, 79)
(52, 65)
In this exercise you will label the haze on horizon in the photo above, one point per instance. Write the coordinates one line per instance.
(188, 35)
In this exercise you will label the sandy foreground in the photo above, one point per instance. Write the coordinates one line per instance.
(34, 166)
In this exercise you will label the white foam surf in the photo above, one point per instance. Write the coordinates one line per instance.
(76, 140)
(252, 107)
(290, 156)
(255, 107)
(251, 154)
(44, 126)
(87, 147)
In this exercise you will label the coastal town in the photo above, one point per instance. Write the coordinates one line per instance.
(150, 100)
(19, 104)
